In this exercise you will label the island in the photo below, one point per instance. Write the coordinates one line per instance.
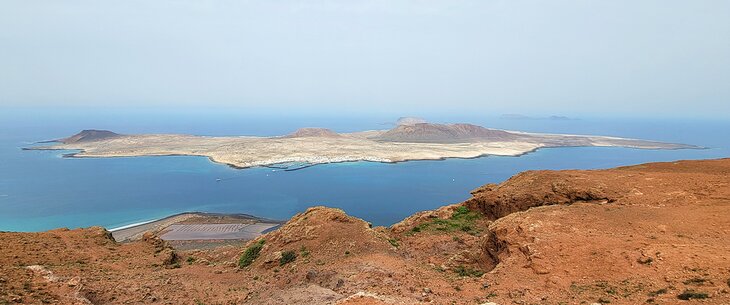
(410, 139)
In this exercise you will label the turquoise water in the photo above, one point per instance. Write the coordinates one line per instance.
(40, 190)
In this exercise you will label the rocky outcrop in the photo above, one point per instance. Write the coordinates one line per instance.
(322, 233)
(539, 188)
(166, 255)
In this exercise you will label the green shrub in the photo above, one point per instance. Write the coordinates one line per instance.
(393, 242)
(251, 254)
(287, 257)
(464, 271)
(461, 220)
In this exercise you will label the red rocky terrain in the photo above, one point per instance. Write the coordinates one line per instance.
(647, 234)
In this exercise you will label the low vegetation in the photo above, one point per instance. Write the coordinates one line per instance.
(658, 292)
(462, 220)
(251, 253)
(468, 272)
(287, 257)
(695, 281)
(691, 294)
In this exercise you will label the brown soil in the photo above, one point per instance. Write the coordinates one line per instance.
(644, 234)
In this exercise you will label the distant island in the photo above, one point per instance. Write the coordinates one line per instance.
(411, 139)
(516, 116)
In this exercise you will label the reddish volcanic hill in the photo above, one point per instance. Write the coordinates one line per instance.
(89, 135)
(313, 132)
(441, 133)
(646, 234)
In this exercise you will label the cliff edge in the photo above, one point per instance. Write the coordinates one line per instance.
(651, 233)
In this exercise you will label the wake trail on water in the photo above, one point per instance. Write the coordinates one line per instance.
(274, 168)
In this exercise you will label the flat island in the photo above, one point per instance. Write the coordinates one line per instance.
(408, 140)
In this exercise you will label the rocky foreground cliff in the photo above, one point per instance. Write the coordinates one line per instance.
(647, 234)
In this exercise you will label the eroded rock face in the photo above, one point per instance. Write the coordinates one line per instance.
(540, 188)
(167, 256)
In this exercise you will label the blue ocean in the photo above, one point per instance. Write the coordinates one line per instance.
(41, 190)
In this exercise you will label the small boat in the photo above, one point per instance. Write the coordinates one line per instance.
(218, 180)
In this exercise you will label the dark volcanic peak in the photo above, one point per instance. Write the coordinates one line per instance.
(89, 135)
(442, 133)
(313, 132)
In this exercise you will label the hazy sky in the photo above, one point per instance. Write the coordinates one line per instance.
(659, 58)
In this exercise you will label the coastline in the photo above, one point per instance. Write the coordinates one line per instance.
(78, 154)
(135, 231)
(136, 224)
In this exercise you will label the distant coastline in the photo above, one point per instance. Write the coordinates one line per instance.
(287, 169)
(311, 146)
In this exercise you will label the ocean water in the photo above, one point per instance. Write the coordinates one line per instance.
(40, 190)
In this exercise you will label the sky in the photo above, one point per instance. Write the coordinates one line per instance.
(570, 57)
